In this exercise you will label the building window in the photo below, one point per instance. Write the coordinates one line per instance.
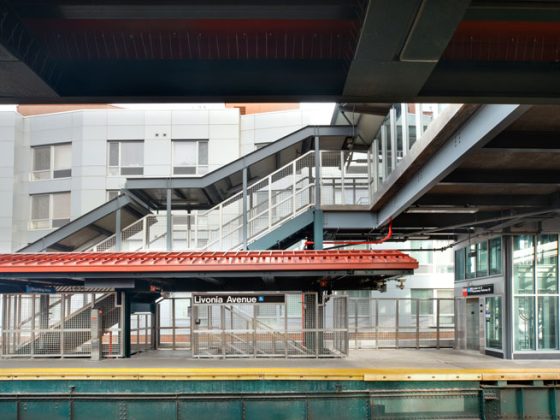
(446, 299)
(50, 210)
(460, 264)
(190, 157)
(125, 157)
(523, 264)
(547, 322)
(495, 256)
(112, 194)
(547, 264)
(51, 162)
(479, 260)
(424, 298)
(482, 259)
(470, 262)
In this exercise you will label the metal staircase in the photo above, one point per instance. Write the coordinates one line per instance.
(282, 196)
(47, 332)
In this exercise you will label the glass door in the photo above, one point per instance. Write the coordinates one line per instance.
(493, 316)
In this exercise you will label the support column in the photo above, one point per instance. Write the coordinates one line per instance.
(245, 210)
(317, 173)
(317, 229)
(393, 139)
(126, 324)
(169, 221)
(309, 321)
(118, 230)
(317, 213)
(44, 302)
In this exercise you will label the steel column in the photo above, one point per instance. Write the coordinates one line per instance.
(245, 209)
(118, 230)
(317, 172)
(393, 132)
(405, 131)
(169, 222)
(384, 163)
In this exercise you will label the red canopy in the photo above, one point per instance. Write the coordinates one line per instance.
(146, 262)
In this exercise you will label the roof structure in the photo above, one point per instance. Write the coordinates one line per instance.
(279, 50)
(193, 271)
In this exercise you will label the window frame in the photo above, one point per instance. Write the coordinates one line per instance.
(51, 172)
(117, 170)
(199, 169)
(468, 251)
(50, 222)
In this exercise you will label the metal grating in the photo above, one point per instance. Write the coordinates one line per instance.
(57, 325)
(297, 327)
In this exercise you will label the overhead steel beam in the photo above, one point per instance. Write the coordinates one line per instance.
(349, 220)
(499, 176)
(525, 140)
(399, 46)
(26, 71)
(474, 200)
(286, 10)
(484, 125)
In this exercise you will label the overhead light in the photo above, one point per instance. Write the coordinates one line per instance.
(442, 209)
(419, 238)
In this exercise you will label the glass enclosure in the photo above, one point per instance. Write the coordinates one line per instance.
(535, 288)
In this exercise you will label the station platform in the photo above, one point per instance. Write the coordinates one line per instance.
(362, 365)
(369, 384)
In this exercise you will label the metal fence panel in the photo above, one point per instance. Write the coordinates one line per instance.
(58, 325)
(401, 323)
(298, 327)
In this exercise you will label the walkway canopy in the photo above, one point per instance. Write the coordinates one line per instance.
(205, 271)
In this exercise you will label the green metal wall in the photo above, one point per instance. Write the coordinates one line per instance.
(257, 400)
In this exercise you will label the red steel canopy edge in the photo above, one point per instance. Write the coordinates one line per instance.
(192, 261)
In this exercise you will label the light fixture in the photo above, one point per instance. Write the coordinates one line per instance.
(442, 209)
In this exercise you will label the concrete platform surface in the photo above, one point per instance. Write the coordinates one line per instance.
(401, 364)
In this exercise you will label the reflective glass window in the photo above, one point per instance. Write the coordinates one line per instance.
(547, 263)
(482, 259)
(524, 323)
(523, 264)
(495, 256)
(470, 260)
(548, 322)
(460, 264)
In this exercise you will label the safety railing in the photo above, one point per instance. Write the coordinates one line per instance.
(295, 328)
(402, 128)
(401, 323)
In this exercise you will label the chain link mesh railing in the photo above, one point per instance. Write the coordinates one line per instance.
(296, 327)
(58, 325)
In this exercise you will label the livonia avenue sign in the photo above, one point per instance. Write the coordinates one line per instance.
(232, 299)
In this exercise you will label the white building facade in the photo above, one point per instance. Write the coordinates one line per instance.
(55, 167)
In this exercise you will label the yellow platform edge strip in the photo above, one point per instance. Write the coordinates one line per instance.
(306, 374)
